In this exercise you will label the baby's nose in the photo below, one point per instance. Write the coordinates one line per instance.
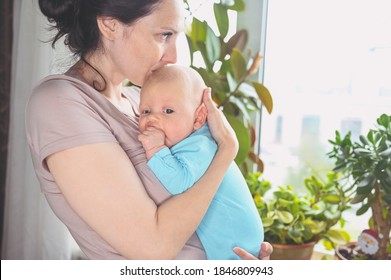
(151, 119)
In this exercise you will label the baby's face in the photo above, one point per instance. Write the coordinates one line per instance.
(166, 106)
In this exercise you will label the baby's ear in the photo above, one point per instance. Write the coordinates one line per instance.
(200, 116)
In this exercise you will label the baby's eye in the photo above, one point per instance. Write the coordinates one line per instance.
(168, 111)
(145, 112)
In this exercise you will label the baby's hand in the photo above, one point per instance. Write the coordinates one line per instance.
(152, 140)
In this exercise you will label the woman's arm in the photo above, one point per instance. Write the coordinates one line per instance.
(102, 186)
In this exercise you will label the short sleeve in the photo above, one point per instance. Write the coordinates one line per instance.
(60, 116)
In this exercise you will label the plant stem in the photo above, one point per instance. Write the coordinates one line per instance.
(233, 92)
(381, 222)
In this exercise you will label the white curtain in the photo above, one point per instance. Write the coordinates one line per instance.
(31, 230)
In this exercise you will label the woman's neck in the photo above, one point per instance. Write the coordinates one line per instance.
(98, 76)
(87, 72)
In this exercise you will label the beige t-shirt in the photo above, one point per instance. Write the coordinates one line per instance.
(64, 112)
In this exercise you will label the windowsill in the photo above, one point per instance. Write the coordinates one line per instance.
(320, 253)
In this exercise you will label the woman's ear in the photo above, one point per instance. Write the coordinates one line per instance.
(109, 27)
(200, 114)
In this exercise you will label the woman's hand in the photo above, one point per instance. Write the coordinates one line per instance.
(264, 254)
(221, 130)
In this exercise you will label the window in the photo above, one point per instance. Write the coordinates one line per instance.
(328, 67)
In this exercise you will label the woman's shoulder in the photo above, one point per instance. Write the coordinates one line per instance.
(60, 87)
(57, 82)
(60, 96)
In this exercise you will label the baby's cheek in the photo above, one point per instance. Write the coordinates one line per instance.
(141, 124)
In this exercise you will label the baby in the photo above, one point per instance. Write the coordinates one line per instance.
(179, 149)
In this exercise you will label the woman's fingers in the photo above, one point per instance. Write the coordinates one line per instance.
(266, 251)
(264, 254)
(221, 130)
(243, 254)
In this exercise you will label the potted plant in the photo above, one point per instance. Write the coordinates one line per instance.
(228, 67)
(366, 169)
(294, 222)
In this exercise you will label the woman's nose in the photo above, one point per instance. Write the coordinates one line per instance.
(170, 56)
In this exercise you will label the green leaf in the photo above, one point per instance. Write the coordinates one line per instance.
(225, 67)
(362, 152)
(339, 167)
(370, 137)
(387, 198)
(364, 190)
(243, 135)
(336, 236)
(307, 235)
(284, 202)
(368, 181)
(238, 64)
(362, 209)
(212, 44)
(284, 216)
(295, 235)
(384, 120)
(267, 222)
(270, 215)
(315, 226)
(222, 21)
(209, 78)
(358, 198)
(198, 31)
(330, 215)
(364, 140)
(332, 199)
(265, 96)
(386, 153)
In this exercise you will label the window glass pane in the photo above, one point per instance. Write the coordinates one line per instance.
(328, 67)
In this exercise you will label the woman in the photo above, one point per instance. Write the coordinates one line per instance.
(82, 131)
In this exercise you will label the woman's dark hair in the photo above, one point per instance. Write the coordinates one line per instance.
(76, 19)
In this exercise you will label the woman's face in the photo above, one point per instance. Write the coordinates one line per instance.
(149, 43)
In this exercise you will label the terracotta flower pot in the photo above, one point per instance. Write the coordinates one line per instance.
(292, 252)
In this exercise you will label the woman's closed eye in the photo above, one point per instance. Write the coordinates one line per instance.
(166, 36)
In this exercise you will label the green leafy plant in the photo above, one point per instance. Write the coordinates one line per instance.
(366, 166)
(229, 68)
(290, 217)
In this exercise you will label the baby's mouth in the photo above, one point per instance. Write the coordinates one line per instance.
(151, 125)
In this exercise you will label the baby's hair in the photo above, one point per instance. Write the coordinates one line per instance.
(175, 73)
